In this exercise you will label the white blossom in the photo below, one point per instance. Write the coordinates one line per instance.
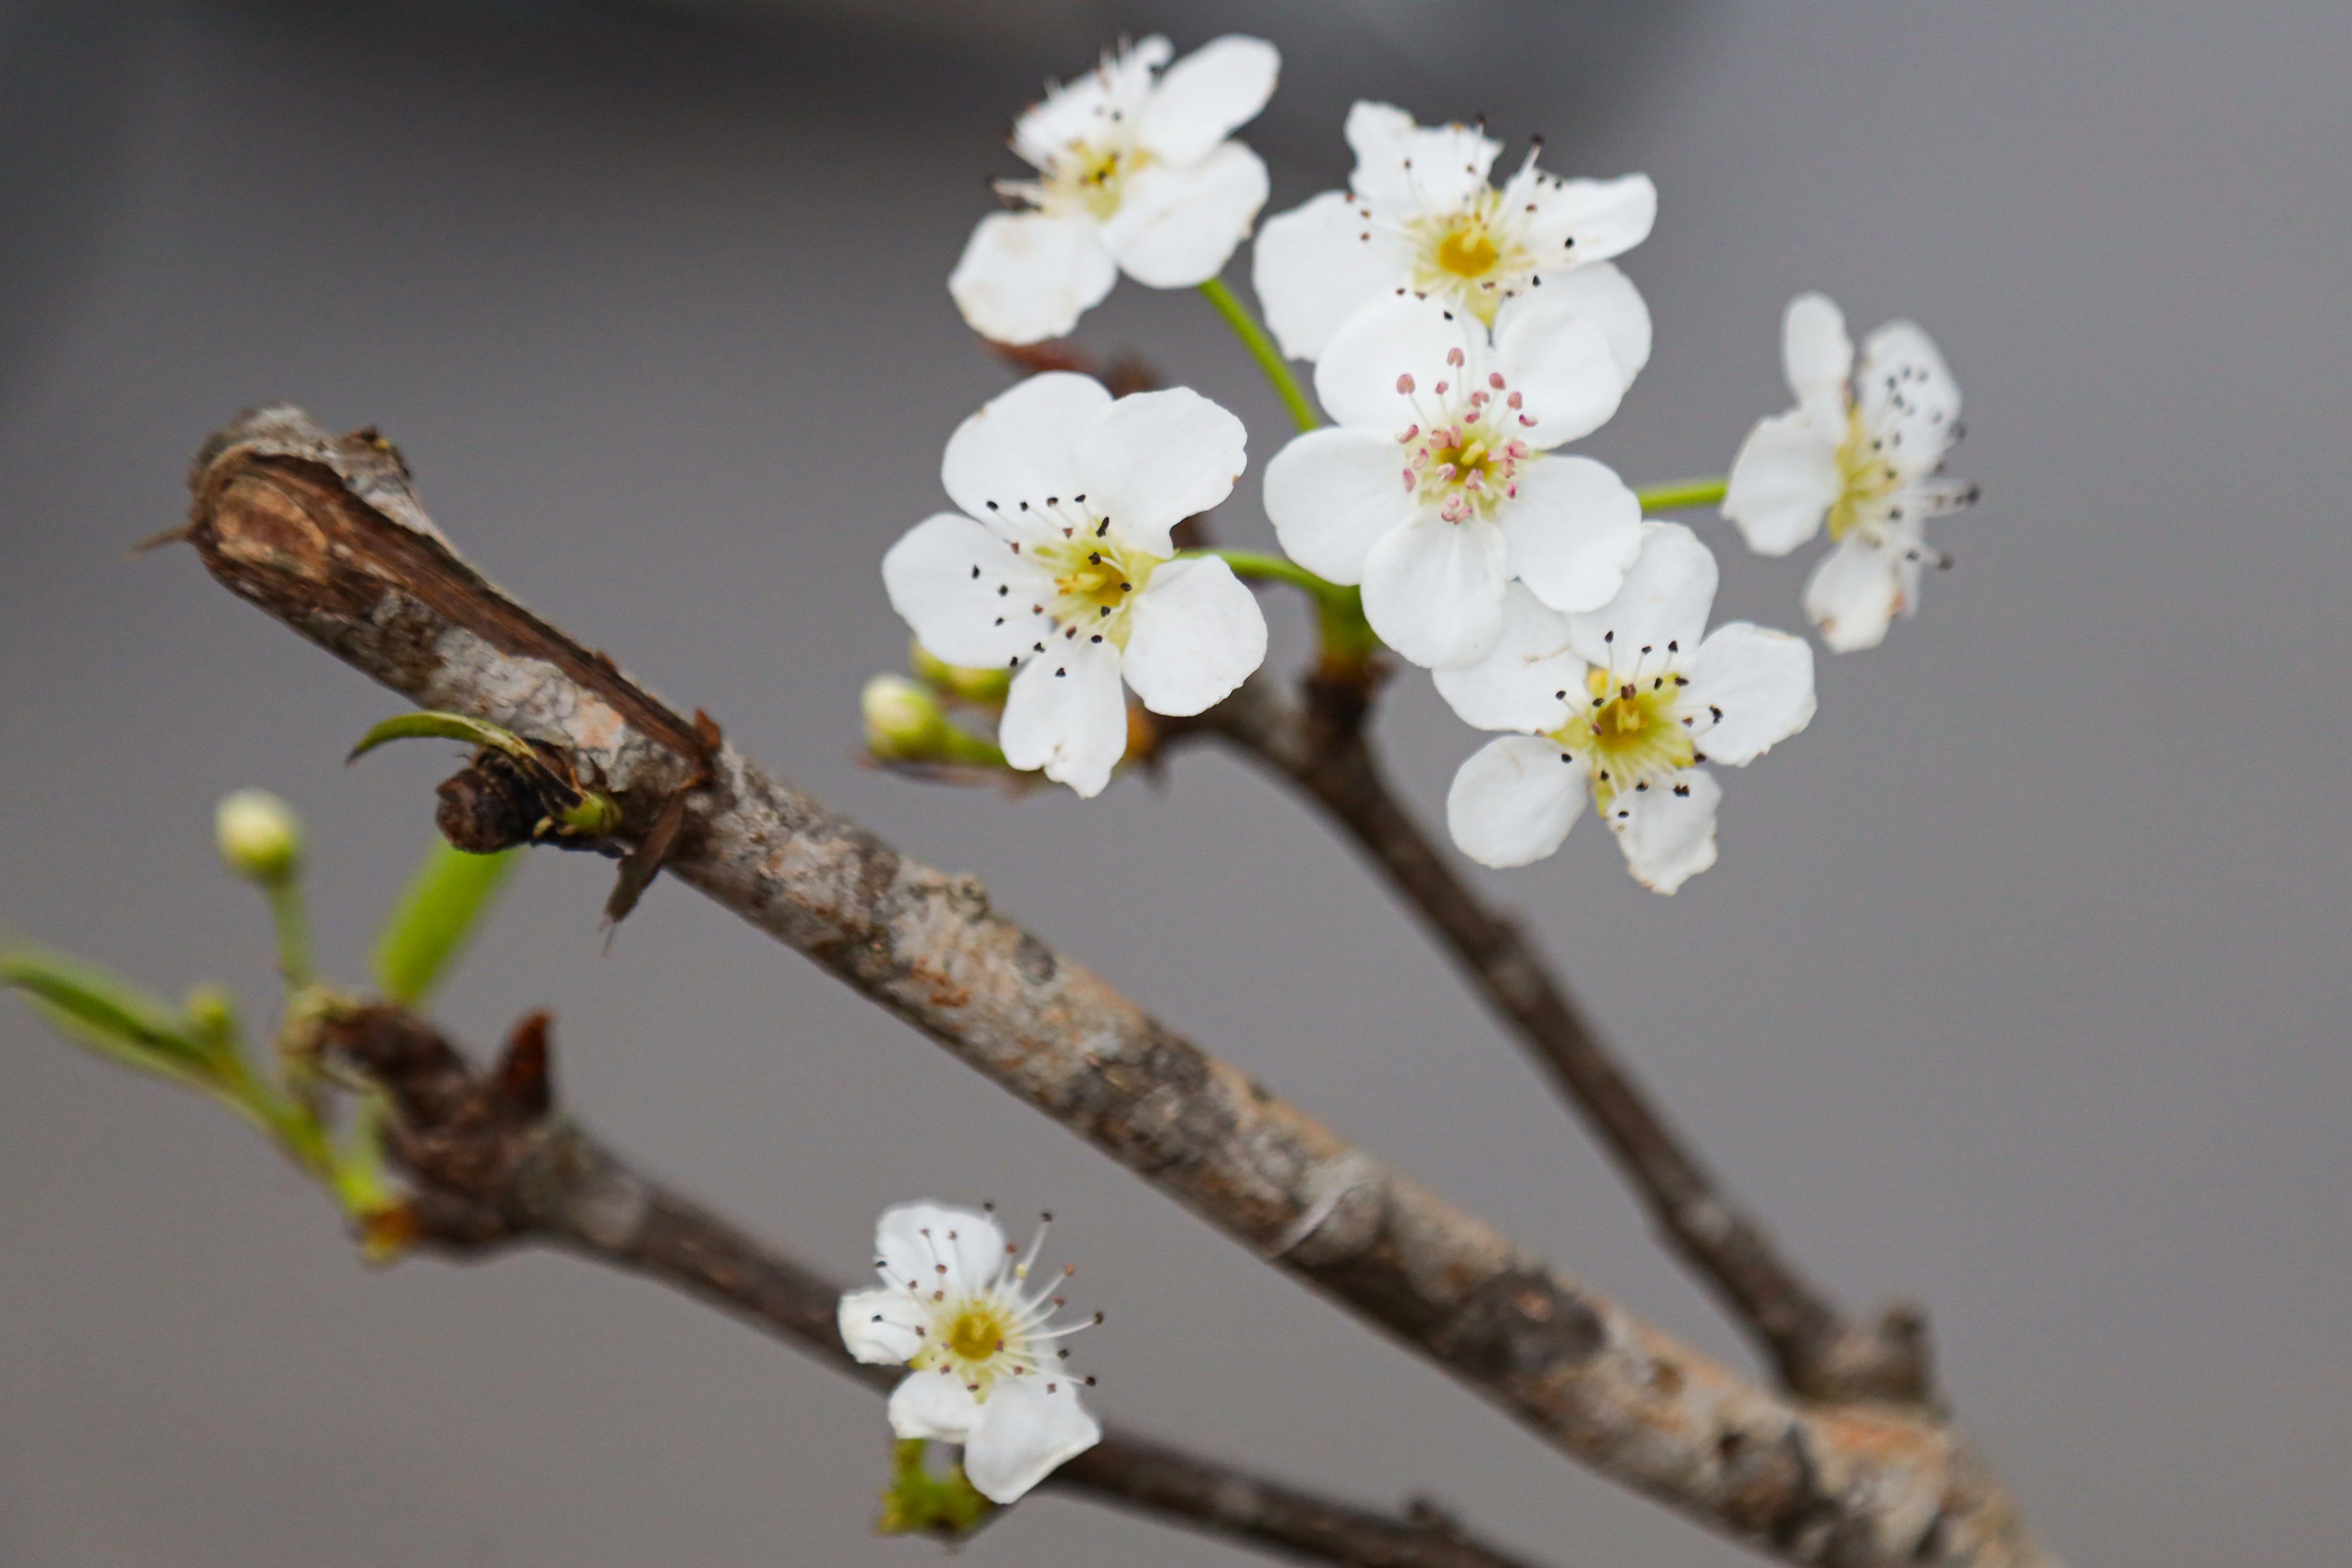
(1060, 566)
(1862, 454)
(1437, 486)
(1421, 216)
(1134, 174)
(1622, 704)
(983, 1369)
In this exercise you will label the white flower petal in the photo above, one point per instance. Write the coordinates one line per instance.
(1198, 634)
(936, 1406)
(1178, 224)
(1416, 169)
(1019, 446)
(1331, 494)
(1560, 359)
(1207, 95)
(1607, 297)
(1668, 591)
(1313, 268)
(1514, 801)
(878, 1326)
(1573, 530)
(1855, 592)
(1784, 481)
(1668, 838)
(1027, 277)
(929, 576)
(1761, 680)
(1602, 217)
(1909, 398)
(1082, 111)
(1434, 590)
(1521, 685)
(1066, 714)
(1815, 354)
(1023, 1432)
(1154, 458)
(911, 1241)
(1356, 379)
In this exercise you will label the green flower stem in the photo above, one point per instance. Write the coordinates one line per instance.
(1347, 637)
(1261, 349)
(293, 933)
(1682, 495)
(961, 746)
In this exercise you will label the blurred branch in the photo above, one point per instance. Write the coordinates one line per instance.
(498, 1166)
(326, 536)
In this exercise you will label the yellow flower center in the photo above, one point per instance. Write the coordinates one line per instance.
(1474, 258)
(978, 1331)
(1866, 480)
(1096, 582)
(1468, 250)
(1630, 733)
(1092, 177)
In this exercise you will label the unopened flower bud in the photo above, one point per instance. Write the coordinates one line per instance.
(903, 721)
(259, 835)
(962, 682)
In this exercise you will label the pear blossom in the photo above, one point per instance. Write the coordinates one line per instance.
(1421, 216)
(1438, 485)
(984, 1368)
(1623, 703)
(1134, 174)
(1862, 454)
(1060, 566)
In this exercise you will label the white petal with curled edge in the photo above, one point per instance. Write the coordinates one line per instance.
(1434, 590)
(1027, 277)
(1414, 168)
(1853, 594)
(878, 1326)
(1573, 530)
(1816, 355)
(1081, 111)
(1068, 715)
(1024, 1433)
(1331, 494)
(1514, 801)
(1668, 591)
(1154, 458)
(1313, 268)
(1198, 634)
(1356, 379)
(1603, 293)
(936, 1406)
(1603, 217)
(1784, 481)
(1019, 446)
(1178, 224)
(1528, 681)
(1207, 95)
(929, 574)
(1668, 838)
(1560, 359)
(1762, 682)
(911, 1241)
(1909, 401)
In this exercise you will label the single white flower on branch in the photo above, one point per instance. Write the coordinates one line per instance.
(1060, 566)
(1134, 174)
(1862, 455)
(1622, 704)
(1437, 485)
(1420, 215)
(985, 1369)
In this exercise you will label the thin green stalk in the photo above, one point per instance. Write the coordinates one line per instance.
(293, 933)
(1261, 349)
(1682, 495)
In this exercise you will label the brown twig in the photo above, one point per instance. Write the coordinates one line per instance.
(1321, 747)
(1859, 1486)
(496, 1166)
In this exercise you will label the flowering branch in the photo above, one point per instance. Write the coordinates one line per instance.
(497, 1165)
(326, 535)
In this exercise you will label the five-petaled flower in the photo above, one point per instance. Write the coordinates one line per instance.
(1061, 567)
(1420, 216)
(1862, 453)
(1437, 486)
(1623, 703)
(984, 1369)
(1134, 174)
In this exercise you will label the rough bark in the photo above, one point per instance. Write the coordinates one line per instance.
(326, 535)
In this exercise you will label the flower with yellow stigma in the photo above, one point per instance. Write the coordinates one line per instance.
(985, 1369)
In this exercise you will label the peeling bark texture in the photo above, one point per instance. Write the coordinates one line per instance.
(325, 535)
(1817, 1350)
(496, 1166)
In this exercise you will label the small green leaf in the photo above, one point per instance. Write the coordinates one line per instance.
(436, 916)
(100, 1009)
(445, 727)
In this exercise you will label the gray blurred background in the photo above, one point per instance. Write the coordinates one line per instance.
(2020, 986)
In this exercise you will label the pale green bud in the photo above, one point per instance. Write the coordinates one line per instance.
(962, 682)
(903, 721)
(259, 835)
